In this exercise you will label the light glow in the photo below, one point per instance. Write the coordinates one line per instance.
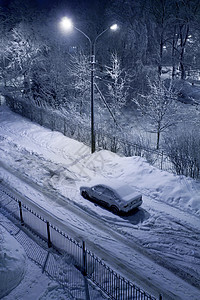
(66, 24)
(114, 27)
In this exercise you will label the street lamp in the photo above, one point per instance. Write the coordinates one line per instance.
(67, 25)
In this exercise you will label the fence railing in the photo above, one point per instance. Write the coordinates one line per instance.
(65, 124)
(109, 281)
(112, 139)
(58, 267)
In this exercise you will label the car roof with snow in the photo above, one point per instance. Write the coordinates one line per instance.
(121, 188)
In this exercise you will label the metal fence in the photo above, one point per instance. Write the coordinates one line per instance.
(111, 283)
(58, 267)
(112, 139)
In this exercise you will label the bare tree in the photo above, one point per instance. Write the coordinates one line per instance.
(158, 108)
(161, 11)
(182, 147)
(21, 52)
(79, 79)
(118, 87)
(186, 18)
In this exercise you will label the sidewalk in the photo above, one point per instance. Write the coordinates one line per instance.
(49, 275)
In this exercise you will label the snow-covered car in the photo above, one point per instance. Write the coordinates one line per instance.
(118, 197)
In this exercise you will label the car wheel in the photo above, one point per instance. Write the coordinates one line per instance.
(85, 195)
(114, 209)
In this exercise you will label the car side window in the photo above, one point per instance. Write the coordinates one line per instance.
(98, 189)
(109, 193)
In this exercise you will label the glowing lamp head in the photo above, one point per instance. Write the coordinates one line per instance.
(66, 24)
(114, 27)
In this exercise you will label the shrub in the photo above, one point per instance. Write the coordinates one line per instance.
(183, 151)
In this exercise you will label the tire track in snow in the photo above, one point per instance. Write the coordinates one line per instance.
(138, 254)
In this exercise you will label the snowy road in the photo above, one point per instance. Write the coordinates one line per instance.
(157, 247)
(103, 240)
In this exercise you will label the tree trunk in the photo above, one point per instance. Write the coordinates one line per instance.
(182, 69)
(174, 45)
(184, 32)
(160, 55)
(158, 140)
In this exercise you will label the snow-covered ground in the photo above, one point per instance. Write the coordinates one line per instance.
(160, 242)
(21, 278)
(22, 268)
(12, 262)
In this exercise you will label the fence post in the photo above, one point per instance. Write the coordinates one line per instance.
(160, 297)
(20, 211)
(64, 127)
(161, 166)
(84, 260)
(48, 235)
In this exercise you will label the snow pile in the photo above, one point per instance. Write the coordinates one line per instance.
(178, 191)
(12, 263)
(189, 93)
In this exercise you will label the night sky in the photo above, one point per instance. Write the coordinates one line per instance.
(50, 3)
(40, 3)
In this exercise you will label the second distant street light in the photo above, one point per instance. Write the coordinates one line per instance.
(66, 25)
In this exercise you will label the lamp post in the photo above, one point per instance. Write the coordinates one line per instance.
(66, 25)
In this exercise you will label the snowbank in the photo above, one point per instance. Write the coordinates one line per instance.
(12, 263)
(178, 191)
